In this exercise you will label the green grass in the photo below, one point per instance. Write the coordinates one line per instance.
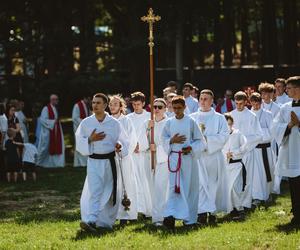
(45, 215)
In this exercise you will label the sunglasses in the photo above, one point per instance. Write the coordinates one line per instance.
(158, 107)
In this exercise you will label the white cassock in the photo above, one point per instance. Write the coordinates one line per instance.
(282, 99)
(142, 164)
(96, 203)
(3, 129)
(192, 104)
(183, 205)
(263, 172)
(248, 124)
(127, 166)
(22, 120)
(273, 107)
(160, 179)
(236, 144)
(44, 159)
(288, 163)
(212, 161)
(79, 159)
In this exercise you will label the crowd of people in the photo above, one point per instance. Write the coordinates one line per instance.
(201, 154)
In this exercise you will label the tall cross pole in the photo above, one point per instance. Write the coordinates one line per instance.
(151, 19)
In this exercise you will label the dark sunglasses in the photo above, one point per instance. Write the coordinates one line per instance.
(157, 107)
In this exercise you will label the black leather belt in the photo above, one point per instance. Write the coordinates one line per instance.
(111, 158)
(244, 172)
(264, 151)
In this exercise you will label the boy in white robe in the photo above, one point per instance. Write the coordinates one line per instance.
(80, 111)
(51, 145)
(248, 124)
(141, 155)
(264, 156)
(215, 129)
(99, 136)
(281, 96)
(190, 101)
(117, 107)
(160, 173)
(183, 142)
(287, 135)
(234, 150)
(267, 91)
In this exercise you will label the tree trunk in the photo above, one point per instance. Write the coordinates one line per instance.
(217, 34)
(246, 50)
(228, 32)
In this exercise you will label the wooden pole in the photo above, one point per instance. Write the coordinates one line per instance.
(150, 19)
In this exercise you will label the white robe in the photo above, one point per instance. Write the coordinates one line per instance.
(79, 159)
(261, 188)
(160, 180)
(288, 163)
(129, 177)
(96, 199)
(184, 205)
(3, 129)
(22, 120)
(192, 104)
(282, 99)
(44, 159)
(142, 164)
(273, 107)
(235, 195)
(212, 163)
(248, 124)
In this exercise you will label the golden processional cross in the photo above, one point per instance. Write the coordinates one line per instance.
(151, 19)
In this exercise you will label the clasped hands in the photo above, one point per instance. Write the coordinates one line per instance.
(294, 120)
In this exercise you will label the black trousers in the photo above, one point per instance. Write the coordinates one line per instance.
(295, 195)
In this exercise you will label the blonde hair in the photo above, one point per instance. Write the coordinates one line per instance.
(121, 100)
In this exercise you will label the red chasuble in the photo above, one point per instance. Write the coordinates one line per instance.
(82, 111)
(55, 147)
(229, 106)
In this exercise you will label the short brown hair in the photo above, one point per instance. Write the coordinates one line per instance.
(266, 87)
(294, 80)
(178, 99)
(240, 95)
(188, 85)
(102, 96)
(137, 96)
(280, 80)
(208, 92)
(255, 97)
(228, 116)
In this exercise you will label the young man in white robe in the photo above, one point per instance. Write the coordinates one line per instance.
(22, 120)
(212, 162)
(190, 101)
(117, 107)
(51, 146)
(183, 141)
(263, 172)
(235, 170)
(267, 91)
(281, 96)
(100, 137)
(141, 154)
(80, 111)
(248, 124)
(286, 132)
(160, 171)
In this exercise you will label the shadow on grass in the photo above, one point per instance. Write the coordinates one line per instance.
(287, 228)
(82, 235)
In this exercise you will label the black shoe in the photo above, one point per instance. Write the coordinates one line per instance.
(123, 223)
(169, 222)
(202, 219)
(88, 226)
(295, 221)
(236, 215)
(212, 219)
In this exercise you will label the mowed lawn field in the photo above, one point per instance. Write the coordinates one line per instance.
(46, 215)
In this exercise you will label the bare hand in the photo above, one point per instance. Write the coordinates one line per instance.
(294, 118)
(151, 124)
(96, 136)
(229, 155)
(180, 139)
(153, 147)
(118, 147)
(136, 150)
